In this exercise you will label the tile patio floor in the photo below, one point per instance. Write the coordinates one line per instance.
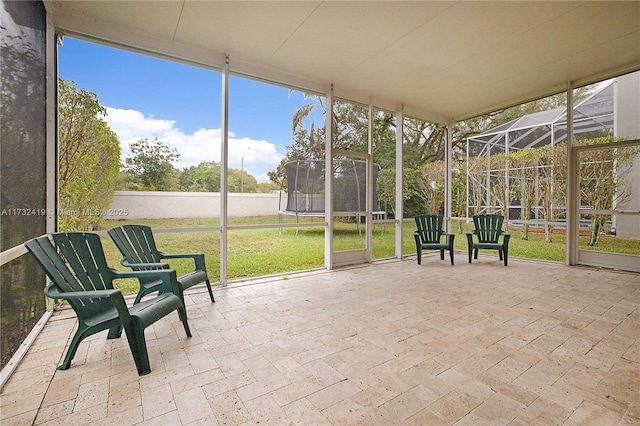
(390, 343)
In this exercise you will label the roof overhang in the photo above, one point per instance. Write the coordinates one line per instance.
(439, 61)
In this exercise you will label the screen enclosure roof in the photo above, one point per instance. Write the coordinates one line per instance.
(440, 61)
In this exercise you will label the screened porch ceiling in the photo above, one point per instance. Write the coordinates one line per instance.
(440, 61)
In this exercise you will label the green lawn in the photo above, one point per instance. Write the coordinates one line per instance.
(258, 252)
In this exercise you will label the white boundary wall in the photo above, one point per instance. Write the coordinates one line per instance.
(173, 205)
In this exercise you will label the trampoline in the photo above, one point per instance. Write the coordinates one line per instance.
(306, 188)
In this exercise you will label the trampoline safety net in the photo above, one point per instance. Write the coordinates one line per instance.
(306, 188)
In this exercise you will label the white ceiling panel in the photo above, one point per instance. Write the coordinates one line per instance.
(442, 60)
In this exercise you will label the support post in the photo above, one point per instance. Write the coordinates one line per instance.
(224, 171)
(399, 180)
(573, 181)
(448, 179)
(328, 182)
(52, 146)
(369, 191)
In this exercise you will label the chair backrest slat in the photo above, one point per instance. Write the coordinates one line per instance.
(122, 242)
(79, 265)
(488, 227)
(79, 253)
(141, 238)
(56, 269)
(137, 246)
(429, 227)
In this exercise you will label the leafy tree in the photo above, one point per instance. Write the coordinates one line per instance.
(150, 165)
(603, 184)
(268, 187)
(523, 172)
(205, 177)
(89, 158)
(552, 184)
(459, 192)
(241, 181)
(430, 187)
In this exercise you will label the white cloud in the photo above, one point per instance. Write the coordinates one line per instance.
(260, 156)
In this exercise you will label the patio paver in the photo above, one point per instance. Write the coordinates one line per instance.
(387, 343)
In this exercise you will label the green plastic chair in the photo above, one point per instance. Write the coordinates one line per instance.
(79, 274)
(429, 236)
(139, 251)
(488, 232)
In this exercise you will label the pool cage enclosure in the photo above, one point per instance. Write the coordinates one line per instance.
(305, 181)
(592, 117)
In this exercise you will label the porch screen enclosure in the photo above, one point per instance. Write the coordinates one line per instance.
(518, 169)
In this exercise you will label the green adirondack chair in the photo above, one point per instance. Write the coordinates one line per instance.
(488, 230)
(139, 251)
(79, 274)
(429, 236)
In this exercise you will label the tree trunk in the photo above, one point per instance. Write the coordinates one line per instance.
(548, 232)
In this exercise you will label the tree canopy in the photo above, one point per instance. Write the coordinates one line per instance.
(149, 166)
(89, 158)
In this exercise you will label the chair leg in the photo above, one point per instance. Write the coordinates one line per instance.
(505, 257)
(451, 255)
(470, 253)
(210, 292)
(182, 313)
(441, 254)
(419, 252)
(138, 346)
(115, 332)
(73, 347)
(500, 254)
(475, 254)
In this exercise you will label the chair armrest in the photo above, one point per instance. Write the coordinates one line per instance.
(114, 295)
(135, 266)
(470, 237)
(198, 258)
(52, 292)
(168, 276)
(450, 238)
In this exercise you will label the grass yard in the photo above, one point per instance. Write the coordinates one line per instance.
(258, 252)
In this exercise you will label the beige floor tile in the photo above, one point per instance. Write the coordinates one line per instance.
(303, 412)
(20, 419)
(229, 409)
(475, 344)
(157, 401)
(125, 398)
(192, 406)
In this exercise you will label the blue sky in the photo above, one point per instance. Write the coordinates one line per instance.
(147, 97)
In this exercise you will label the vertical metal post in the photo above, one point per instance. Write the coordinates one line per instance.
(487, 182)
(573, 181)
(328, 182)
(52, 155)
(448, 179)
(369, 192)
(399, 180)
(507, 194)
(224, 171)
(468, 180)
